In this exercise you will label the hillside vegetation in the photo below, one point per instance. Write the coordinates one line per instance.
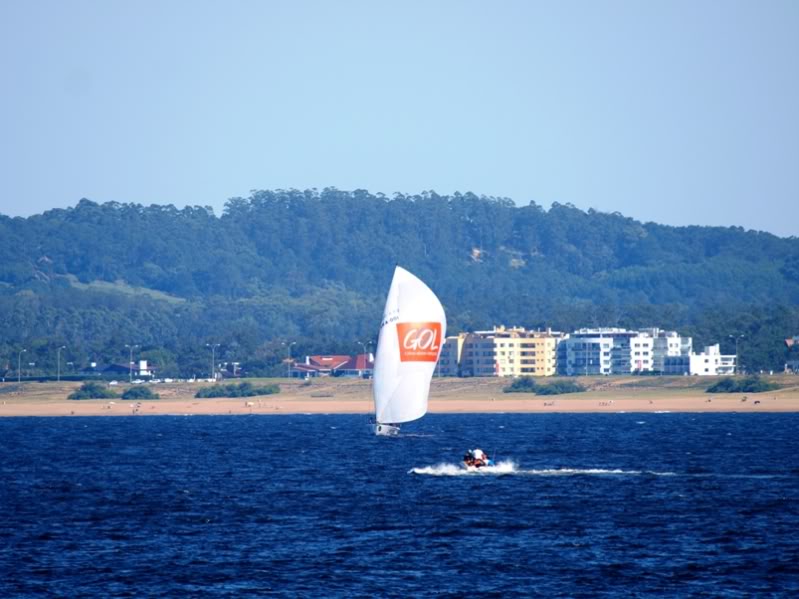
(313, 268)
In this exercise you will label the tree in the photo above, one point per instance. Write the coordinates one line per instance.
(140, 392)
(314, 267)
(92, 390)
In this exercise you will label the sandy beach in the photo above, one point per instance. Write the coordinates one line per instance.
(347, 396)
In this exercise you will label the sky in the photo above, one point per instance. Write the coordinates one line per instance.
(679, 112)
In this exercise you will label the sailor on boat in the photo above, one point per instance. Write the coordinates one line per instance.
(476, 458)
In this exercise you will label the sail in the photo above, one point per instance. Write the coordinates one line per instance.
(411, 335)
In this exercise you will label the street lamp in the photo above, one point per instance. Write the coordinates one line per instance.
(585, 357)
(288, 355)
(213, 347)
(130, 362)
(737, 338)
(19, 365)
(365, 358)
(58, 360)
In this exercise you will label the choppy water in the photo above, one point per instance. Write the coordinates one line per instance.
(612, 505)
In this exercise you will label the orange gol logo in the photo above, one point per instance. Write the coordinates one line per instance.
(419, 341)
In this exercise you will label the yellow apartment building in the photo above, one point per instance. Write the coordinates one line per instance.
(510, 352)
(450, 358)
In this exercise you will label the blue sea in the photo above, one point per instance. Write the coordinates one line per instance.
(581, 505)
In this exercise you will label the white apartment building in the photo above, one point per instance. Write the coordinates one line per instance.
(587, 352)
(632, 352)
(667, 344)
(620, 351)
(711, 362)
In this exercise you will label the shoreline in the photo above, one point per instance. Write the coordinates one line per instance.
(447, 396)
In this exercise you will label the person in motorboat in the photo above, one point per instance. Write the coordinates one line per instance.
(476, 458)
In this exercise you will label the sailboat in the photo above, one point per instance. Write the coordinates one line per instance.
(412, 333)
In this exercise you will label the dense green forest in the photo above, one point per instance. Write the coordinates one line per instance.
(312, 268)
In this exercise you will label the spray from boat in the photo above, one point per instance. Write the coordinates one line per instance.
(508, 467)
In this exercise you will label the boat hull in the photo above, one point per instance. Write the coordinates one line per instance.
(491, 468)
(386, 430)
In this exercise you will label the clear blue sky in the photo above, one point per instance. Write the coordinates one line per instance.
(678, 112)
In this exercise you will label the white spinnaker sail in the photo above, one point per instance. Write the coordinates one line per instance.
(412, 332)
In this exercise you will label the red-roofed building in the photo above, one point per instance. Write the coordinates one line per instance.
(792, 364)
(360, 365)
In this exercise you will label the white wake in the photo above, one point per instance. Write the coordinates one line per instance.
(593, 472)
(510, 468)
(506, 467)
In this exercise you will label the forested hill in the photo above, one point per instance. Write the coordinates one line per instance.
(314, 268)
